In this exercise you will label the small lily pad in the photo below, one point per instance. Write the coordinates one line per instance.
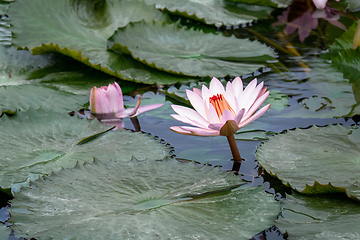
(39, 142)
(319, 217)
(141, 200)
(315, 160)
(190, 52)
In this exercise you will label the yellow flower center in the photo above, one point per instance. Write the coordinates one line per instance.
(220, 104)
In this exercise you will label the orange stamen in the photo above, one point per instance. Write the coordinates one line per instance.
(220, 104)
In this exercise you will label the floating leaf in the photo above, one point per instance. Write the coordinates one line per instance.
(80, 29)
(215, 12)
(15, 66)
(23, 97)
(4, 231)
(319, 217)
(315, 160)
(138, 200)
(38, 142)
(190, 52)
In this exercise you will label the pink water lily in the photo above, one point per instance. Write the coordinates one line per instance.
(219, 111)
(107, 105)
(304, 18)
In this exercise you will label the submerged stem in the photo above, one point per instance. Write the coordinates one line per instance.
(234, 149)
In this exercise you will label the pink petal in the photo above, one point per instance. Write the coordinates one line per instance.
(197, 91)
(230, 96)
(256, 105)
(195, 131)
(197, 102)
(146, 108)
(249, 96)
(216, 86)
(338, 24)
(115, 98)
(238, 86)
(320, 4)
(255, 116)
(184, 119)
(239, 115)
(227, 115)
(190, 114)
(215, 126)
(213, 117)
(93, 99)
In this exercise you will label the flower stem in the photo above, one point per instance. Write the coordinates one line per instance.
(234, 148)
(136, 123)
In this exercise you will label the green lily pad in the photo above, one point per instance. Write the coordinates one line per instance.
(15, 66)
(319, 217)
(315, 160)
(141, 200)
(4, 231)
(23, 97)
(215, 12)
(80, 29)
(5, 34)
(187, 51)
(38, 142)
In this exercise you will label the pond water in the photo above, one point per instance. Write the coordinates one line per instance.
(305, 90)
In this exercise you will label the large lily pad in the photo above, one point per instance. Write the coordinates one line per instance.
(320, 217)
(190, 52)
(38, 142)
(138, 200)
(23, 97)
(315, 160)
(80, 29)
(215, 12)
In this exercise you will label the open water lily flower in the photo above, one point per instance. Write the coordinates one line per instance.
(107, 105)
(220, 111)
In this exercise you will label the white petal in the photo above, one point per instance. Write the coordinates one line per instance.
(238, 87)
(255, 116)
(190, 114)
(216, 86)
(249, 96)
(197, 102)
(230, 96)
(195, 131)
(227, 115)
(213, 117)
(239, 116)
(184, 119)
(256, 105)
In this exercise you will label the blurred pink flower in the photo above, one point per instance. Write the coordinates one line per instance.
(321, 4)
(308, 20)
(219, 111)
(107, 105)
